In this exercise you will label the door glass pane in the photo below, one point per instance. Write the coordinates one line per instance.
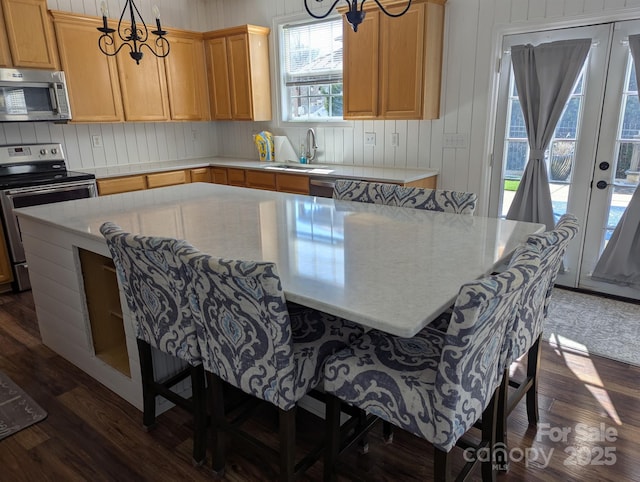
(627, 160)
(559, 157)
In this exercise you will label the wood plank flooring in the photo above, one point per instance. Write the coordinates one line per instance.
(92, 434)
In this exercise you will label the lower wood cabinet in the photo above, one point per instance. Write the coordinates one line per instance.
(219, 175)
(292, 183)
(236, 177)
(163, 179)
(261, 180)
(201, 174)
(116, 185)
(6, 274)
(425, 183)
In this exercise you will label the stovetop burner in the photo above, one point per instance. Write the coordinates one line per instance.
(35, 165)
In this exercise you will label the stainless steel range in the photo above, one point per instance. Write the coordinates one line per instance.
(30, 175)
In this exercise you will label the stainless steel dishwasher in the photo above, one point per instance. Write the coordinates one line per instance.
(322, 186)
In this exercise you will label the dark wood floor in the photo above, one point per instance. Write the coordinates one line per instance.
(92, 434)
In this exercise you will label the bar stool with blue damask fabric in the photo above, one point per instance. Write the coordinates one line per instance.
(455, 202)
(153, 282)
(252, 339)
(434, 385)
(525, 338)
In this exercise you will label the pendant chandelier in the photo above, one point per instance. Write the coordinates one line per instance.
(354, 15)
(134, 35)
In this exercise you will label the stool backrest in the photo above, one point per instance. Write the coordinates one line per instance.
(155, 288)
(364, 192)
(454, 202)
(244, 325)
(530, 321)
(472, 362)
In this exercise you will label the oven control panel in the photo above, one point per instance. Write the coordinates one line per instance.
(31, 153)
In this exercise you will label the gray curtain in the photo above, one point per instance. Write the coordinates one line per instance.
(620, 260)
(544, 75)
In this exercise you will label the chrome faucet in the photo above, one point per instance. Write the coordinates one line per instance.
(311, 145)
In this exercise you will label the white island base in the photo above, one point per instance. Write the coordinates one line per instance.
(79, 311)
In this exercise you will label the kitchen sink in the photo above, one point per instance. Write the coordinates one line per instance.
(311, 168)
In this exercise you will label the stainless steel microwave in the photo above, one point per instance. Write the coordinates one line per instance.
(33, 95)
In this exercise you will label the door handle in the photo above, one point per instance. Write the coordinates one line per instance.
(602, 184)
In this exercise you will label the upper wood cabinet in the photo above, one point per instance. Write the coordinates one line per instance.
(5, 54)
(143, 86)
(115, 89)
(187, 76)
(393, 66)
(29, 35)
(92, 77)
(238, 72)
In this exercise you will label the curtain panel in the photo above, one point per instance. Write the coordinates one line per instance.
(620, 260)
(545, 75)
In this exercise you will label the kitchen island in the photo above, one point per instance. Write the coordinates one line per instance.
(389, 268)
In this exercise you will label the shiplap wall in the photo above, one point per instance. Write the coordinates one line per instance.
(474, 30)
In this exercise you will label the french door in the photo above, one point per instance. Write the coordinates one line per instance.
(593, 161)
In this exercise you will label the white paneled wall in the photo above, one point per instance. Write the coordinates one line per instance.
(122, 143)
(474, 30)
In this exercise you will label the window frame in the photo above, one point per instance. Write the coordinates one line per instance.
(279, 94)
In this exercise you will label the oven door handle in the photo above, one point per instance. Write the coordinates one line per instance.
(54, 188)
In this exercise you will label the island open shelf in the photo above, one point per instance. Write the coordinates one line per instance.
(104, 310)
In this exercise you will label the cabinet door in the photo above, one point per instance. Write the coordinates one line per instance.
(186, 77)
(92, 77)
(240, 77)
(261, 180)
(5, 54)
(166, 179)
(6, 275)
(29, 33)
(201, 174)
(360, 67)
(121, 184)
(402, 57)
(143, 86)
(236, 177)
(217, 70)
(433, 59)
(292, 183)
(219, 175)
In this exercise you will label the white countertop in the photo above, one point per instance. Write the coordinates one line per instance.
(382, 174)
(388, 268)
